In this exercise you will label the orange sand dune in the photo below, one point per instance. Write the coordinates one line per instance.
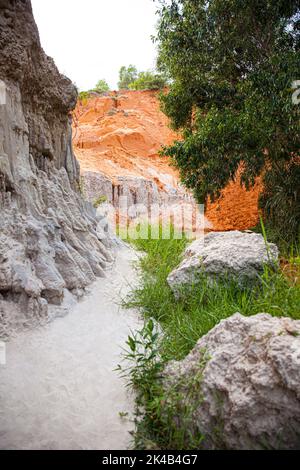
(121, 134)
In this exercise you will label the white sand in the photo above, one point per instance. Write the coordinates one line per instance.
(59, 389)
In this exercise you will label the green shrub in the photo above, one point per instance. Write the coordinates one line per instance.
(149, 81)
(83, 96)
(156, 407)
(101, 87)
(130, 78)
(127, 75)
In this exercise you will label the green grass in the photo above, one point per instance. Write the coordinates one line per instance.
(288, 248)
(183, 322)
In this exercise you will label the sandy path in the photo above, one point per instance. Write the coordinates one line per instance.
(58, 389)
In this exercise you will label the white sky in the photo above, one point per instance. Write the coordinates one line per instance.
(91, 39)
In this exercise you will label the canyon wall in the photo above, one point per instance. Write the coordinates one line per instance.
(117, 139)
(49, 247)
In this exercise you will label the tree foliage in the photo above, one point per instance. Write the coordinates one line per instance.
(149, 81)
(131, 79)
(127, 75)
(232, 65)
(101, 87)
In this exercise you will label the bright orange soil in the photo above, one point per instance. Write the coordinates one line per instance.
(236, 209)
(121, 135)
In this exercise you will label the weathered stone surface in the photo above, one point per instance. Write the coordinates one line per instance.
(95, 185)
(249, 394)
(238, 255)
(135, 190)
(48, 236)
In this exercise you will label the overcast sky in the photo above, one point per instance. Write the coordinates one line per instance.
(91, 39)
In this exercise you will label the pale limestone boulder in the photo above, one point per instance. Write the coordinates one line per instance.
(220, 255)
(248, 396)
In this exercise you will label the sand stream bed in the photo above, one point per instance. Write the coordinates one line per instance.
(58, 389)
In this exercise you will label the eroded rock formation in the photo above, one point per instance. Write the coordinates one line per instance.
(242, 384)
(48, 238)
(239, 256)
(136, 190)
(118, 137)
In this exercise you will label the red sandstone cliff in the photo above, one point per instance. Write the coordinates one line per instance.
(120, 135)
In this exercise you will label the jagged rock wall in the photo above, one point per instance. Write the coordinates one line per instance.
(48, 237)
(136, 190)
